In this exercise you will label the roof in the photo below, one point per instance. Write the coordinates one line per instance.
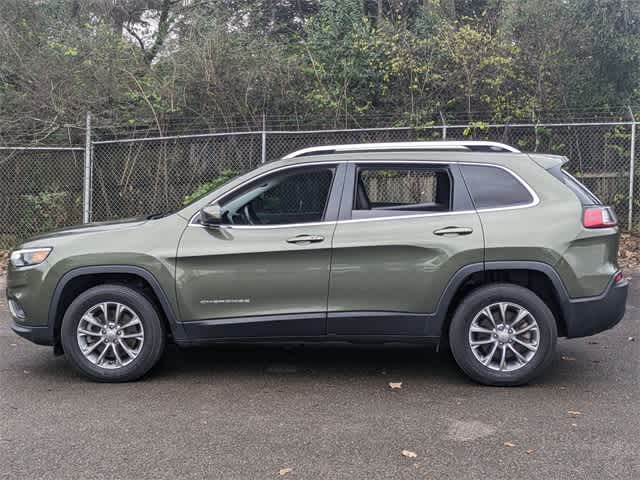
(460, 146)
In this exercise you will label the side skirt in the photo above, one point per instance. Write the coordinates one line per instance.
(353, 339)
(353, 327)
(380, 323)
(278, 326)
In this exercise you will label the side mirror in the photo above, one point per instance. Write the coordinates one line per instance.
(211, 215)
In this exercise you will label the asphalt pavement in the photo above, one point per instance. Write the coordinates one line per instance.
(323, 412)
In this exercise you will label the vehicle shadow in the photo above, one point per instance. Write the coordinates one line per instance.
(312, 362)
(307, 359)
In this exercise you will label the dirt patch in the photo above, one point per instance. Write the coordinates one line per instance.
(4, 260)
(629, 254)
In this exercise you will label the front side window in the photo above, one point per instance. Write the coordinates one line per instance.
(395, 190)
(293, 196)
(493, 187)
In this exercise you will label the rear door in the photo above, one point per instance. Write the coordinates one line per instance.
(404, 229)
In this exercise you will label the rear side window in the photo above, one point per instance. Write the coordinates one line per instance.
(493, 187)
(585, 195)
(398, 189)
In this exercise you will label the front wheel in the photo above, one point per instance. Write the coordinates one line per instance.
(112, 333)
(503, 335)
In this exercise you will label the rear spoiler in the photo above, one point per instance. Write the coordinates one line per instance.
(547, 161)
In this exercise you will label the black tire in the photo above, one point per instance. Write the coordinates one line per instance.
(154, 334)
(488, 295)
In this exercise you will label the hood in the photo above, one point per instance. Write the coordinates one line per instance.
(90, 228)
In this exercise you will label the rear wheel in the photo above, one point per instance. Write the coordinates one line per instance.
(502, 335)
(112, 333)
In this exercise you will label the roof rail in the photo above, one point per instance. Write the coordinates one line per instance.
(459, 146)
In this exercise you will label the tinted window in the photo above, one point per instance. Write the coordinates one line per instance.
(585, 195)
(493, 187)
(287, 197)
(390, 189)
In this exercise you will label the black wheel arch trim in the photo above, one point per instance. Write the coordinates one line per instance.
(572, 309)
(463, 274)
(53, 323)
(562, 295)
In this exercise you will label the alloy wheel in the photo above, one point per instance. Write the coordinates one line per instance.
(504, 336)
(110, 335)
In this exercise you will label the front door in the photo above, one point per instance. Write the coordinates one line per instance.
(404, 230)
(265, 271)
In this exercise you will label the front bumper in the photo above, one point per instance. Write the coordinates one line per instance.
(588, 316)
(38, 335)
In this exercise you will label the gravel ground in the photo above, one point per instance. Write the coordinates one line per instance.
(324, 412)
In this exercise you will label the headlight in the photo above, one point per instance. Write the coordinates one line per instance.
(29, 256)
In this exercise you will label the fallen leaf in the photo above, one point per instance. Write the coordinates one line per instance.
(568, 359)
(530, 451)
(509, 444)
(409, 454)
(395, 385)
(284, 471)
(575, 413)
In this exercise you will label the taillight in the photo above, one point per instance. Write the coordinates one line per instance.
(618, 277)
(599, 217)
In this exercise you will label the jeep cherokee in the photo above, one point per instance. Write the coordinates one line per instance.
(474, 245)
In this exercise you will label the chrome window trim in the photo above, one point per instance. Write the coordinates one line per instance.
(535, 199)
(265, 227)
(533, 203)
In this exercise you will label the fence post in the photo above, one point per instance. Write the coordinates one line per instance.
(632, 169)
(86, 198)
(264, 139)
(444, 126)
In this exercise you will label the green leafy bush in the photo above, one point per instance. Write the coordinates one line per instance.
(205, 188)
(46, 211)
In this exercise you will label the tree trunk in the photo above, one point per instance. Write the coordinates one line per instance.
(163, 31)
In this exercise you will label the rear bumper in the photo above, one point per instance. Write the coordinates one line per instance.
(38, 335)
(588, 316)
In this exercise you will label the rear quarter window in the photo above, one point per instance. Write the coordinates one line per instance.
(494, 187)
(586, 196)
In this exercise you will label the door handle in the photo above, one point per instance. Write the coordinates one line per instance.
(303, 239)
(453, 231)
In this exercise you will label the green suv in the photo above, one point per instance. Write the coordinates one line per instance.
(474, 245)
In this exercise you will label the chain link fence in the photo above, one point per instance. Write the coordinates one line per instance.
(42, 188)
(154, 175)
